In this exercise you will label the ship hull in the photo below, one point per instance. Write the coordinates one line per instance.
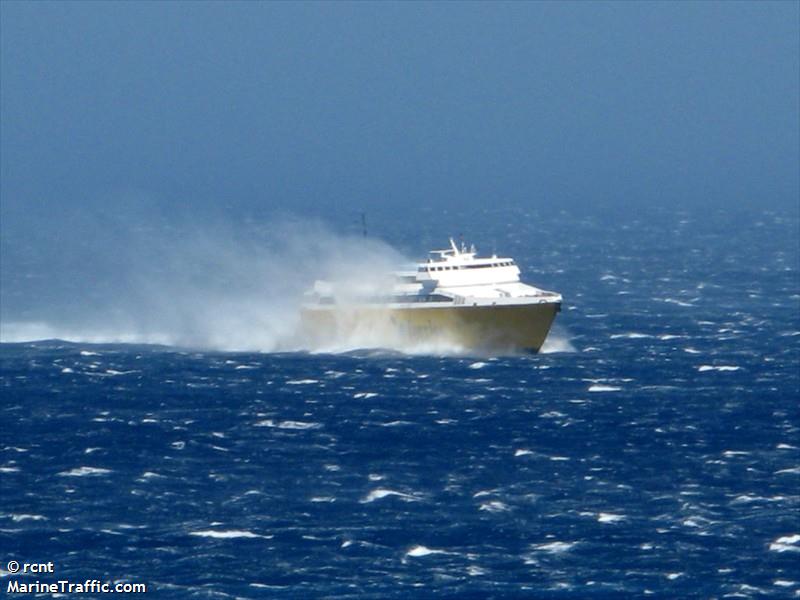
(495, 328)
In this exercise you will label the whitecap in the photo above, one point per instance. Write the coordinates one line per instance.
(24, 517)
(786, 543)
(691, 351)
(299, 425)
(609, 518)
(599, 387)
(703, 368)
(380, 493)
(522, 452)
(84, 471)
(365, 395)
(678, 302)
(88, 353)
(748, 499)
(9, 469)
(630, 336)
(420, 551)
(302, 381)
(495, 506)
(477, 365)
(230, 534)
(67, 370)
(791, 471)
(556, 547)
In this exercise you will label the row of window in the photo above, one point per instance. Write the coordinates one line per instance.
(399, 299)
(507, 263)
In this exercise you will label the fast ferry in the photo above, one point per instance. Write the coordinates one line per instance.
(454, 297)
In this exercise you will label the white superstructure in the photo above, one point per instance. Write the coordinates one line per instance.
(456, 276)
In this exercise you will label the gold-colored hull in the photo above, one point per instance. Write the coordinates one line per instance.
(503, 328)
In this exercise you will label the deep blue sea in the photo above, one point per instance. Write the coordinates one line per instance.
(653, 450)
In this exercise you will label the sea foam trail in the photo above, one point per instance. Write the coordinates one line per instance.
(228, 535)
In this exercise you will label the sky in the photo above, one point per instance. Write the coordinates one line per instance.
(115, 113)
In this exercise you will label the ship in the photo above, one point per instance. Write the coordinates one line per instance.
(455, 297)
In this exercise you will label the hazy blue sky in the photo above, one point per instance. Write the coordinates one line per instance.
(298, 106)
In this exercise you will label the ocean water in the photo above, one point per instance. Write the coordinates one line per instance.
(652, 449)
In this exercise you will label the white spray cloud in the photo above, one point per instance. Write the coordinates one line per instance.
(225, 289)
(234, 288)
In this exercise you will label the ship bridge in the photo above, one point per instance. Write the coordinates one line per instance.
(459, 267)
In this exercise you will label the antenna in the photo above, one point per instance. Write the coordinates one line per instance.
(364, 224)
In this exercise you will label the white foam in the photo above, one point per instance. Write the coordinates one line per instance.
(364, 395)
(67, 370)
(599, 387)
(478, 365)
(609, 518)
(556, 343)
(420, 551)
(9, 469)
(299, 425)
(227, 535)
(380, 493)
(523, 452)
(748, 499)
(790, 471)
(302, 381)
(556, 547)
(631, 336)
(25, 517)
(495, 506)
(84, 471)
(786, 543)
(703, 368)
